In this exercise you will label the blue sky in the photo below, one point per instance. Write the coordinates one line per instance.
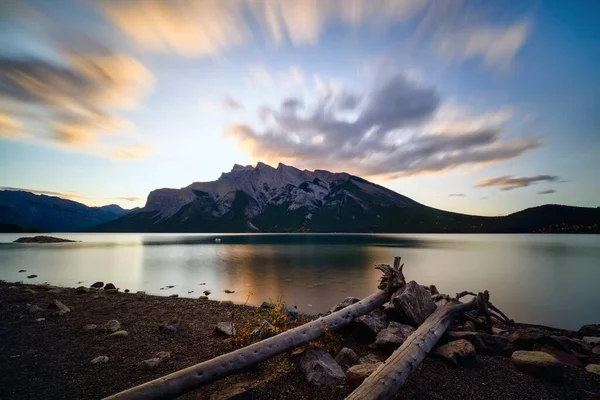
(475, 107)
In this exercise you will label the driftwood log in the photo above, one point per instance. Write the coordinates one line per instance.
(386, 380)
(193, 377)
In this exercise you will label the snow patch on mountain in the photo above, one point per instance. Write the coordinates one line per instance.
(268, 186)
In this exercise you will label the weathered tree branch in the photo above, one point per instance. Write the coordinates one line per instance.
(208, 371)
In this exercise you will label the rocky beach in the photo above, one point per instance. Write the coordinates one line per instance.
(63, 343)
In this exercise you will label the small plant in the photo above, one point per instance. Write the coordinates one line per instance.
(264, 323)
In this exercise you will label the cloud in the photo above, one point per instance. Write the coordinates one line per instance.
(196, 28)
(259, 75)
(63, 86)
(129, 198)
(72, 105)
(549, 191)
(10, 128)
(392, 130)
(457, 195)
(496, 47)
(232, 103)
(70, 195)
(510, 182)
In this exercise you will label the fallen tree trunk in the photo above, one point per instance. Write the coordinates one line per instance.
(201, 374)
(211, 370)
(386, 380)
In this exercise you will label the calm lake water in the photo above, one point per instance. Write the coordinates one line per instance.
(543, 279)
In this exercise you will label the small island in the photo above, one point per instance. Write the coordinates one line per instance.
(43, 239)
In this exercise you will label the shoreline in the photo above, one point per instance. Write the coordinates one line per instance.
(54, 355)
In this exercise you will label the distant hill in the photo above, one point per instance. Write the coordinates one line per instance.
(14, 228)
(287, 199)
(32, 212)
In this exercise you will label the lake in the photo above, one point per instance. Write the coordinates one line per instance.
(542, 279)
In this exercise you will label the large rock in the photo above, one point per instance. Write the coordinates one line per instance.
(596, 351)
(291, 313)
(97, 285)
(591, 340)
(226, 329)
(265, 330)
(589, 330)
(458, 351)
(569, 344)
(358, 373)
(538, 364)
(413, 303)
(346, 358)
(486, 343)
(109, 286)
(348, 301)
(392, 337)
(564, 357)
(366, 327)
(526, 338)
(391, 313)
(593, 368)
(320, 368)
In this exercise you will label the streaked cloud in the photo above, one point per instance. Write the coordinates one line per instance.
(70, 195)
(549, 191)
(392, 130)
(457, 195)
(195, 28)
(129, 198)
(69, 96)
(10, 128)
(232, 103)
(512, 182)
(496, 47)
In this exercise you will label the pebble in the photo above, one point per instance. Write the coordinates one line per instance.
(203, 298)
(97, 285)
(174, 295)
(126, 290)
(109, 286)
(206, 292)
(32, 276)
(111, 326)
(229, 291)
(22, 270)
(34, 308)
(89, 327)
(119, 334)
(151, 363)
(40, 319)
(163, 354)
(99, 360)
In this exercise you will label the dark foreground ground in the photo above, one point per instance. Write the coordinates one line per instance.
(50, 359)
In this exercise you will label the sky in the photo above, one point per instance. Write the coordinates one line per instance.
(480, 107)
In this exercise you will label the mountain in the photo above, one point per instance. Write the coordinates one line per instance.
(32, 212)
(287, 199)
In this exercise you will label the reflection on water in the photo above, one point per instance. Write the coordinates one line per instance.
(545, 279)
